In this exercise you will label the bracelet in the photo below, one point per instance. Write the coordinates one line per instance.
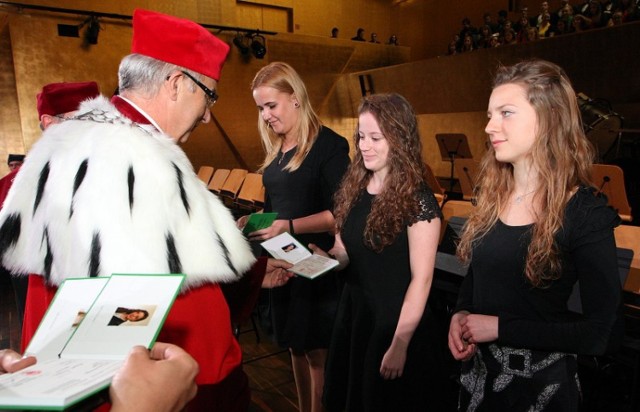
(291, 227)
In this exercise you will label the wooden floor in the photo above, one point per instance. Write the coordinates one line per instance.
(270, 375)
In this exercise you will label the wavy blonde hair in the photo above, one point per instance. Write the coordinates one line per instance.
(396, 205)
(285, 79)
(562, 155)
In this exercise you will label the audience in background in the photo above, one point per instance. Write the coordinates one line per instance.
(544, 26)
(532, 34)
(560, 28)
(502, 19)
(484, 37)
(393, 40)
(488, 21)
(509, 38)
(374, 38)
(590, 14)
(359, 35)
(522, 32)
(467, 28)
(629, 9)
(334, 32)
(616, 19)
(467, 44)
(544, 9)
(593, 17)
(452, 49)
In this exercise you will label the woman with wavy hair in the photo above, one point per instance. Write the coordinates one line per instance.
(303, 166)
(538, 227)
(383, 353)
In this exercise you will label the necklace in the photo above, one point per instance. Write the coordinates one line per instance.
(519, 199)
(283, 152)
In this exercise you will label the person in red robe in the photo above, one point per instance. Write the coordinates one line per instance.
(109, 190)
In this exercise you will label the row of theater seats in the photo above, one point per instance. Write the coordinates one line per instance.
(238, 188)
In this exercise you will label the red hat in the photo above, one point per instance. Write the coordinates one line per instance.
(178, 41)
(58, 98)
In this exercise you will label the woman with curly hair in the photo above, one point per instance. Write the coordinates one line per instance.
(383, 352)
(537, 229)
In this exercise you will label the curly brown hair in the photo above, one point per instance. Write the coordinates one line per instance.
(563, 157)
(396, 206)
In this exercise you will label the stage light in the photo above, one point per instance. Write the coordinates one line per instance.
(241, 42)
(93, 29)
(258, 48)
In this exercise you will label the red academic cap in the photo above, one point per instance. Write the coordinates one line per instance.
(58, 98)
(178, 41)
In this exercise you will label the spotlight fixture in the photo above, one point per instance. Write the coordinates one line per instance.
(93, 29)
(258, 48)
(241, 42)
(90, 34)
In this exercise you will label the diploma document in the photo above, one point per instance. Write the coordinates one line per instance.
(85, 335)
(286, 247)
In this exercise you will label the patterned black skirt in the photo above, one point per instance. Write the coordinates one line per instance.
(499, 378)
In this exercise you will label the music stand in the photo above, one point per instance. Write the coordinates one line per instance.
(452, 146)
(467, 171)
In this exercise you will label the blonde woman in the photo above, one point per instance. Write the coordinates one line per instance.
(303, 166)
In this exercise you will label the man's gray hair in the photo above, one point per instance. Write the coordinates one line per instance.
(145, 75)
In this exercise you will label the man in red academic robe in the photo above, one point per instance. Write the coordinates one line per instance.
(109, 191)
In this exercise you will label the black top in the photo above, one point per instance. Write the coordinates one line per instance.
(309, 189)
(538, 318)
(376, 284)
(301, 313)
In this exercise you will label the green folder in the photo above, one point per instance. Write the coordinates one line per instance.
(259, 221)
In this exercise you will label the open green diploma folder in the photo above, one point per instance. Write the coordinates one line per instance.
(85, 336)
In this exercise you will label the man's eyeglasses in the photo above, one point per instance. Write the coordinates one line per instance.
(211, 95)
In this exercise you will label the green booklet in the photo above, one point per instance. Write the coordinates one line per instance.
(259, 221)
(84, 337)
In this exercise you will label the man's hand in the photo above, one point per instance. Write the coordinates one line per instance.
(159, 380)
(277, 273)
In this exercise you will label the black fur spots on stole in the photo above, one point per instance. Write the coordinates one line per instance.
(183, 193)
(225, 251)
(94, 262)
(9, 233)
(80, 174)
(131, 180)
(173, 260)
(48, 258)
(42, 181)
